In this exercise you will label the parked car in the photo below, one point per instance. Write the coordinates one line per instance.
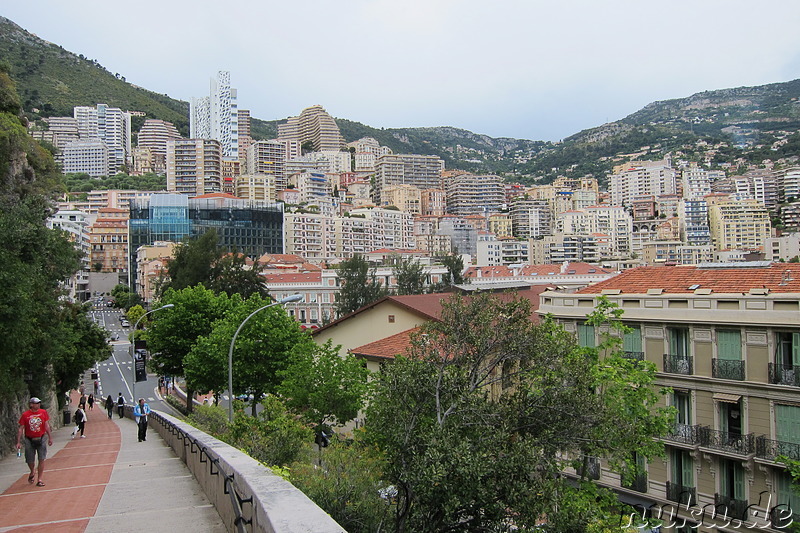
(125, 324)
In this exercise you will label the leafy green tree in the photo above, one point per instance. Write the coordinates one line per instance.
(135, 313)
(193, 262)
(173, 332)
(454, 275)
(348, 486)
(488, 409)
(263, 350)
(231, 275)
(359, 285)
(326, 388)
(410, 276)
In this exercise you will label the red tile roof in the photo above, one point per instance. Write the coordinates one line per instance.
(572, 269)
(388, 348)
(777, 277)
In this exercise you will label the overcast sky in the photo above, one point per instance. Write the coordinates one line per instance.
(506, 68)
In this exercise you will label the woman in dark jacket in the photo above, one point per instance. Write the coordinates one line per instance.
(110, 405)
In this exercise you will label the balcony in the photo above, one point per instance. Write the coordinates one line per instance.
(633, 356)
(678, 364)
(781, 517)
(780, 374)
(727, 441)
(727, 369)
(730, 508)
(685, 434)
(681, 494)
(589, 468)
(772, 449)
(638, 483)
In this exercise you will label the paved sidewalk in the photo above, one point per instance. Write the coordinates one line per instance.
(106, 482)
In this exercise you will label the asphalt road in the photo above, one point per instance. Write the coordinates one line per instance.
(116, 372)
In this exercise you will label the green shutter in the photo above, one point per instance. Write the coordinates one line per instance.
(586, 335)
(738, 481)
(688, 469)
(723, 416)
(632, 342)
(729, 345)
(683, 405)
(786, 494)
(788, 418)
(723, 477)
(796, 349)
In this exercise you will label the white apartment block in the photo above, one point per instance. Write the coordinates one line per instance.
(422, 171)
(470, 194)
(112, 126)
(315, 127)
(641, 178)
(216, 116)
(255, 187)
(494, 252)
(739, 225)
(101, 199)
(789, 180)
(312, 186)
(60, 132)
(531, 219)
(268, 157)
(613, 222)
(782, 248)
(194, 166)
(397, 226)
(696, 182)
(89, 156)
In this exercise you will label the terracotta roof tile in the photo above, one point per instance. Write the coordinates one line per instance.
(777, 277)
(388, 348)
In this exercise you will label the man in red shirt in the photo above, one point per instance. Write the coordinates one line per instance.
(34, 425)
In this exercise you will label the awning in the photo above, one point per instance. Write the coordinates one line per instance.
(730, 398)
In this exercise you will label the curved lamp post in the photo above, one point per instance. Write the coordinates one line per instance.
(288, 299)
(133, 337)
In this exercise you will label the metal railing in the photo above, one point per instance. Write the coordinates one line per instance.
(781, 517)
(771, 449)
(633, 356)
(638, 483)
(727, 441)
(589, 467)
(730, 507)
(681, 494)
(678, 364)
(728, 369)
(685, 434)
(780, 374)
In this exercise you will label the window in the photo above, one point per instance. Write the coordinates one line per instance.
(787, 349)
(632, 341)
(681, 486)
(682, 401)
(788, 424)
(679, 342)
(731, 482)
(586, 335)
(729, 345)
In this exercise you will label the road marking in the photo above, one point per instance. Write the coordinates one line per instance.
(125, 381)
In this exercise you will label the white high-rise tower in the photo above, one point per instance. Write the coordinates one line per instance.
(216, 116)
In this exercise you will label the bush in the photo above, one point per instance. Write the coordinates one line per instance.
(210, 418)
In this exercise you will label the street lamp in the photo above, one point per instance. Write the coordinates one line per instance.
(288, 299)
(133, 337)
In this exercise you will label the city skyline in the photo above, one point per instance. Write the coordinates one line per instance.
(514, 69)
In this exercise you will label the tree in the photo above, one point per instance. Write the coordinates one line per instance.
(359, 285)
(326, 388)
(454, 275)
(410, 276)
(173, 332)
(263, 349)
(135, 313)
(193, 262)
(231, 275)
(488, 409)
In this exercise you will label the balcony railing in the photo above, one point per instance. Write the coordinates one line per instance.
(727, 441)
(638, 483)
(781, 517)
(633, 356)
(727, 369)
(771, 449)
(780, 374)
(678, 364)
(685, 433)
(681, 494)
(730, 508)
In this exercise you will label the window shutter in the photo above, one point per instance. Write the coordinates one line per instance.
(788, 418)
(729, 345)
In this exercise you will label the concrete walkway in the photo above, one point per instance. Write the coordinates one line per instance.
(106, 482)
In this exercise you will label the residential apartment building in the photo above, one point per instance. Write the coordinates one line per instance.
(60, 132)
(421, 171)
(406, 198)
(194, 166)
(640, 178)
(783, 248)
(151, 267)
(470, 194)
(743, 225)
(76, 224)
(492, 251)
(312, 185)
(154, 135)
(108, 236)
(110, 125)
(216, 116)
(725, 340)
(87, 156)
(314, 126)
(96, 200)
(500, 224)
(696, 182)
(268, 157)
(433, 202)
(611, 221)
(560, 248)
(531, 219)
(693, 216)
(260, 187)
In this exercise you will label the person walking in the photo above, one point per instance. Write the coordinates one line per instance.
(140, 412)
(120, 405)
(110, 406)
(90, 401)
(33, 426)
(80, 422)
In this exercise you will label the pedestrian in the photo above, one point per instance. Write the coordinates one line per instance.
(120, 405)
(82, 402)
(160, 384)
(96, 387)
(110, 406)
(80, 422)
(82, 388)
(33, 426)
(140, 412)
(90, 401)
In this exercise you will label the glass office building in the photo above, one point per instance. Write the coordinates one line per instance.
(249, 227)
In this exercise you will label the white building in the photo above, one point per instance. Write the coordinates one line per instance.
(110, 125)
(642, 178)
(216, 116)
(88, 156)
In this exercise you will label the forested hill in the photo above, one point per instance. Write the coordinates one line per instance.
(51, 80)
